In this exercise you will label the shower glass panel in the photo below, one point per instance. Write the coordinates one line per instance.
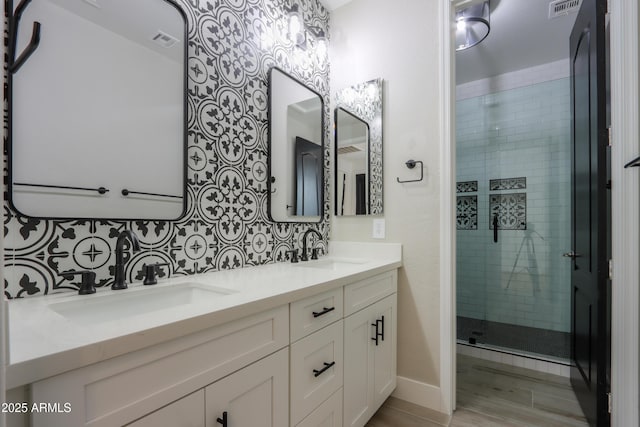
(513, 171)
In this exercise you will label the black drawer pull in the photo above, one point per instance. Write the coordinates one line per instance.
(317, 373)
(378, 335)
(223, 420)
(325, 310)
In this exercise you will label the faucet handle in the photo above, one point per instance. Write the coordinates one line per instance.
(88, 280)
(294, 255)
(150, 271)
(314, 253)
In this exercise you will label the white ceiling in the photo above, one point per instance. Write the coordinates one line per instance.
(521, 36)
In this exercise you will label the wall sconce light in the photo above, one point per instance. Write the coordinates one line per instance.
(472, 25)
(301, 33)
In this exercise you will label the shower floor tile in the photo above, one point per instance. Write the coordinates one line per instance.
(515, 337)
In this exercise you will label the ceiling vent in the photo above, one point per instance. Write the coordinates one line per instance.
(163, 39)
(348, 149)
(559, 8)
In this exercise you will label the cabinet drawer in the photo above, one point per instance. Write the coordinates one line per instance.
(328, 414)
(316, 312)
(365, 292)
(316, 369)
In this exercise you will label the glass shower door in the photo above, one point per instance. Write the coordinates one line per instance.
(513, 167)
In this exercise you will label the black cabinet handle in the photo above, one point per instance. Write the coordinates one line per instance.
(317, 373)
(495, 228)
(223, 420)
(325, 310)
(379, 335)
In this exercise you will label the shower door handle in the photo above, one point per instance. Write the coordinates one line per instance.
(571, 254)
(495, 228)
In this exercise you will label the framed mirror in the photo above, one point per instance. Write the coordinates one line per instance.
(352, 163)
(358, 150)
(296, 150)
(98, 109)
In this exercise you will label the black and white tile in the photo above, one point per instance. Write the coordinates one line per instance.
(511, 209)
(519, 183)
(467, 213)
(467, 186)
(232, 44)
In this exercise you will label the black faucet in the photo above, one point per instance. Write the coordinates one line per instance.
(119, 280)
(314, 255)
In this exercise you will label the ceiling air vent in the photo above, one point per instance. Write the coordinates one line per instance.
(559, 8)
(348, 149)
(164, 39)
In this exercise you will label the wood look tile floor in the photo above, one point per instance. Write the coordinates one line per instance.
(492, 394)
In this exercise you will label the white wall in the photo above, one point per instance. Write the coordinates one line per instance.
(371, 39)
(121, 105)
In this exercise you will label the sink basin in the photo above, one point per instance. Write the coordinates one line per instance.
(133, 302)
(331, 264)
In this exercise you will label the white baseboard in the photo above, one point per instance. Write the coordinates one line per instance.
(418, 393)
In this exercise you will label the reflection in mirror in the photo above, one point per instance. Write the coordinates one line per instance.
(352, 163)
(296, 149)
(97, 112)
(358, 116)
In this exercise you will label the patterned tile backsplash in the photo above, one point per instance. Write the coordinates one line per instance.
(232, 44)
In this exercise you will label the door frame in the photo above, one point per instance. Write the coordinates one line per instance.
(625, 115)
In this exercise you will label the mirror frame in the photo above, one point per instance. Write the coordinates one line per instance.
(359, 100)
(270, 142)
(368, 159)
(185, 129)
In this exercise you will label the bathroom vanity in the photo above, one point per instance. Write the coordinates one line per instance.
(305, 344)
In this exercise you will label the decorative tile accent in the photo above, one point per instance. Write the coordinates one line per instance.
(467, 186)
(232, 45)
(511, 209)
(508, 184)
(467, 213)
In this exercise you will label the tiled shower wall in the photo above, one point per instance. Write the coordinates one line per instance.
(232, 44)
(520, 132)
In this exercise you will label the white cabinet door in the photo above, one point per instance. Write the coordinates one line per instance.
(384, 355)
(369, 361)
(186, 412)
(358, 365)
(255, 396)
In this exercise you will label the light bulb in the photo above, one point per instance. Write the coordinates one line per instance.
(321, 49)
(462, 24)
(295, 27)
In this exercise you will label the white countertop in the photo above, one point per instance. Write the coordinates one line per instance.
(43, 342)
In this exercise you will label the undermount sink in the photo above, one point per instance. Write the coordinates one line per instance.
(331, 264)
(119, 305)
